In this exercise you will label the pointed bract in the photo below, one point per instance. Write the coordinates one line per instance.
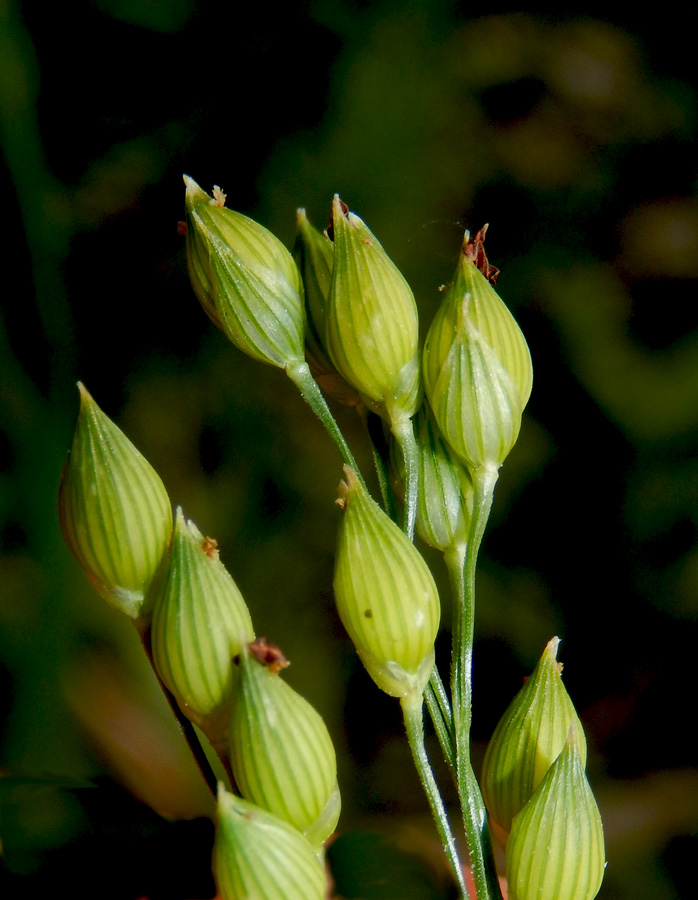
(371, 325)
(386, 596)
(476, 368)
(200, 622)
(245, 279)
(257, 856)
(114, 510)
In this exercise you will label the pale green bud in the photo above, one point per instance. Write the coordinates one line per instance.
(529, 737)
(386, 596)
(314, 255)
(257, 856)
(245, 279)
(556, 848)
(280, 750)
(200, 622)
(476, 366)
(114, 510)
(371, 320)
(445, 498)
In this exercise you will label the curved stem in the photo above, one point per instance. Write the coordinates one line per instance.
(461, 564)
(404, 435)
(299, 373)
(372, 423)
(412, 714)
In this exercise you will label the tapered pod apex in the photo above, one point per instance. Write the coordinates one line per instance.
(245, 279)
(200, 622)
(529, 737)
(114, 510)
(386, 596)
(258, 856)
(371, 325)
(556, 848)
(280, 750)
(476, 364)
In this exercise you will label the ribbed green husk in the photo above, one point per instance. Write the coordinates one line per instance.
(257, 856)
(556, 848)
(529, 737)
(200, 622)
(386, 596)
(281, 752)
(445, 497)
(114, 510)
(477, 369)
(245, 279)
(371, 323)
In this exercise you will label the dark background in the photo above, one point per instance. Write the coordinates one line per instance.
(574, 136)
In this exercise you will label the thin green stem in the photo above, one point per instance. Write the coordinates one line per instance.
(299, 373)
(442, 718)
(373, 425)
(404, 435)
(186, 727)
(461, 564)
(412, 713)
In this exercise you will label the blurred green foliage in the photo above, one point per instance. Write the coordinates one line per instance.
(574, 136)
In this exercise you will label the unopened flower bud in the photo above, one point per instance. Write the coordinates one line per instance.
(386, 596)
(114, 511)
(314, 255)
(280, 750)
(245, 279)
(556, 848)
(445, 494)
(529, 737)
(200, 622)
(371, 320)
(476, 365)
(257, 856)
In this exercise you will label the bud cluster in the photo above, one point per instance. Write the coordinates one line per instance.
(537, 793)
(117, 520)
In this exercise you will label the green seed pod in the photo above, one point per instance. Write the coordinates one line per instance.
(257, 856)
(476, 365)
(529, 737)
(200, 622)
(280, 750)
(445, 494)
(386, 596)
(556, 848)
(245, 279)
(114, 510)
(371, 321)
(314, 255)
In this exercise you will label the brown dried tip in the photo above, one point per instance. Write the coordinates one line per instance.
(268, 655)
(181, 228)
(210, 548)
(474, 249)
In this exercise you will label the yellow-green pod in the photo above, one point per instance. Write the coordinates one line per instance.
(281, 752)
(529, 737)
(476, 367)
(556, 848)
(200, 622)
(257, 856)
(114, 510)
(386, 596)
(371, 324)
(314, 255)
(445, 498)
(245, 279)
